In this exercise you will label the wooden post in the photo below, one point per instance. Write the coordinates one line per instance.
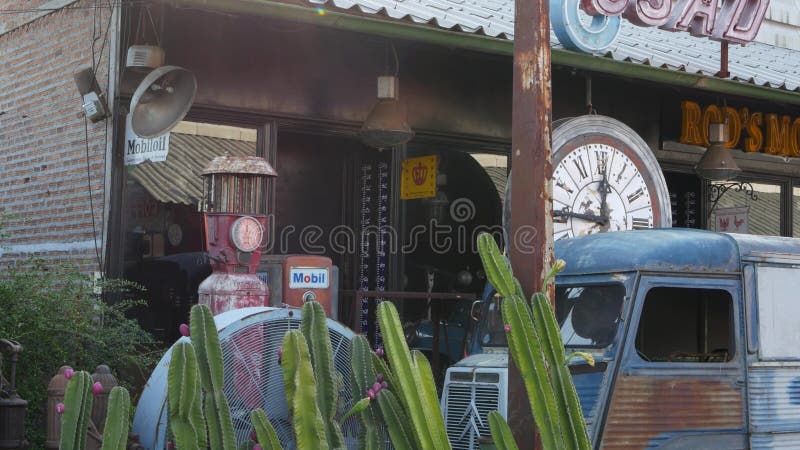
(530, 243)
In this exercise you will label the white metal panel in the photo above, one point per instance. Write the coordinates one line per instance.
(778, 312)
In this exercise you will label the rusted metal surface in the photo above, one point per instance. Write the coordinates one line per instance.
(228, 291)
(250, 165)
(647, 409)
(530, 239)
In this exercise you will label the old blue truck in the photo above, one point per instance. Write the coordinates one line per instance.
(696, 336)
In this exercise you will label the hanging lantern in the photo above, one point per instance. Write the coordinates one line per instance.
(717, 164)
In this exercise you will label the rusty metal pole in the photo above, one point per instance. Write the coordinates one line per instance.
(531, 231)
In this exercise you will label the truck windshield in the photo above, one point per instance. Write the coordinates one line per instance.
(589, 315)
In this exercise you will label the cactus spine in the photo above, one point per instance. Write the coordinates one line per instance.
(209, 358)
(534, 341)
(115, 433)
(185, 412)
(77, 409)
(414, 383)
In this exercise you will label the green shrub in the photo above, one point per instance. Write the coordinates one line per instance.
(52, 311)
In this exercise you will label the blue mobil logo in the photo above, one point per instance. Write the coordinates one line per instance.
(306, 277)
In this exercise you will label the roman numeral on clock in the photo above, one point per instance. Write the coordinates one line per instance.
(635, 195)
(640, 223)
(581, 167)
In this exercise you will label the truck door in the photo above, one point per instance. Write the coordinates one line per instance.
(681, 380)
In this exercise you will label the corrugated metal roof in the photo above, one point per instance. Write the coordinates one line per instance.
(178, 179)
(756, 63)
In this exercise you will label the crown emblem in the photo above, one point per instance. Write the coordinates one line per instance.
(419, 173)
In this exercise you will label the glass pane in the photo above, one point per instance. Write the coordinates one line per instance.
(589, 315)
(737, 212)
(796, 211)
(496, 167)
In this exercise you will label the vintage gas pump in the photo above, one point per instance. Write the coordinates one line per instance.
(234, 212)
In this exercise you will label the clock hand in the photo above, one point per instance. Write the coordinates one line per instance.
(590, 217)
(603, 195)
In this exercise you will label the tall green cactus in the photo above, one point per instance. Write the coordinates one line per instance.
(265, 433)
(309, 428)
(77, 409)
(364, 375)
(209, 358)
(415, 385)
(185, 411)
(535, 343)
(315, 329)
(115, 432)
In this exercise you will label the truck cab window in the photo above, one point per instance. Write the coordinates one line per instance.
(686, 325)
(589, 315)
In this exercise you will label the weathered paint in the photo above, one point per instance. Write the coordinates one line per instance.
(774, 402)
(250, 165)
(530, 242)
(228, 291)
(646, 410)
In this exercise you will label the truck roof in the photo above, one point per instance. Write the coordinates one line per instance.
(672, 250)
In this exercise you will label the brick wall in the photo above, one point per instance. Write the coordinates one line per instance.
(44, 184)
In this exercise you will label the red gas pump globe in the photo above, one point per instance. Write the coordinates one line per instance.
(234, 213)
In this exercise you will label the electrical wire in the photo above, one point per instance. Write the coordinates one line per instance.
(127, 4)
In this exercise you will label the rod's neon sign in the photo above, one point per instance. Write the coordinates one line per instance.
(735, 21)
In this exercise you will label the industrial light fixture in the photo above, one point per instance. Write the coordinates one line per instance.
(717, 164)
(386, 124)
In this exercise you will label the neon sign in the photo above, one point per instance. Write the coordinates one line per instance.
(736, 21)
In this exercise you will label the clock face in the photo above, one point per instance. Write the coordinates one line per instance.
(246, 234)
(605, 178)
(596, 188)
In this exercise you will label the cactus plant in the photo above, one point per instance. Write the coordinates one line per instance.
(267, 437)
(501, 433)
(115, 432)
(363, 369)
(77, 408)
(209, 358)
(534, 341)
(185, 411)
(315, 329)
(309, 429)
(414, 383)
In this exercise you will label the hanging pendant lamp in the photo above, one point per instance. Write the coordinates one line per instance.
(717, 163)
(386, 124)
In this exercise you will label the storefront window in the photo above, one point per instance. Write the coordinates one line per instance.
(739, 212)
(796, 211)
(163, 229)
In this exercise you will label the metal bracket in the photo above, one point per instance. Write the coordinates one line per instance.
(716, 191)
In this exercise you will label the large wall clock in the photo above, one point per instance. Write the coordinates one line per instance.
(605, 178)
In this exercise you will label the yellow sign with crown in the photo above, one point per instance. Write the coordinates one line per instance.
(418, 179)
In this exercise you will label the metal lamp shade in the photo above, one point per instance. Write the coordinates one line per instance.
(717, 164)
(386, 125)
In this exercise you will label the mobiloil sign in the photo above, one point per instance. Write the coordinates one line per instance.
(308, 277)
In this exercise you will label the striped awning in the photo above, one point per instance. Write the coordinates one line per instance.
(178, 179)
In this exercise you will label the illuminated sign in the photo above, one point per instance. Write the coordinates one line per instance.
(736, 21)
(752, 131)
(418, 178)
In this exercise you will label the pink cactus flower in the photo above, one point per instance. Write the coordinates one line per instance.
(257, 447)
(507, 328)
(184, 329)
(376, 387)
(170, 445)
(253, 436)
(68, 373)
(379, 351)
(60, 408)
(371, 394)
(97, 388)
(379, 377)
(384, 385)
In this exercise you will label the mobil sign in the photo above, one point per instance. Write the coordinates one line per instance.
(309, 278)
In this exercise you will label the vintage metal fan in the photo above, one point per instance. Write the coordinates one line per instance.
(250, 338)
